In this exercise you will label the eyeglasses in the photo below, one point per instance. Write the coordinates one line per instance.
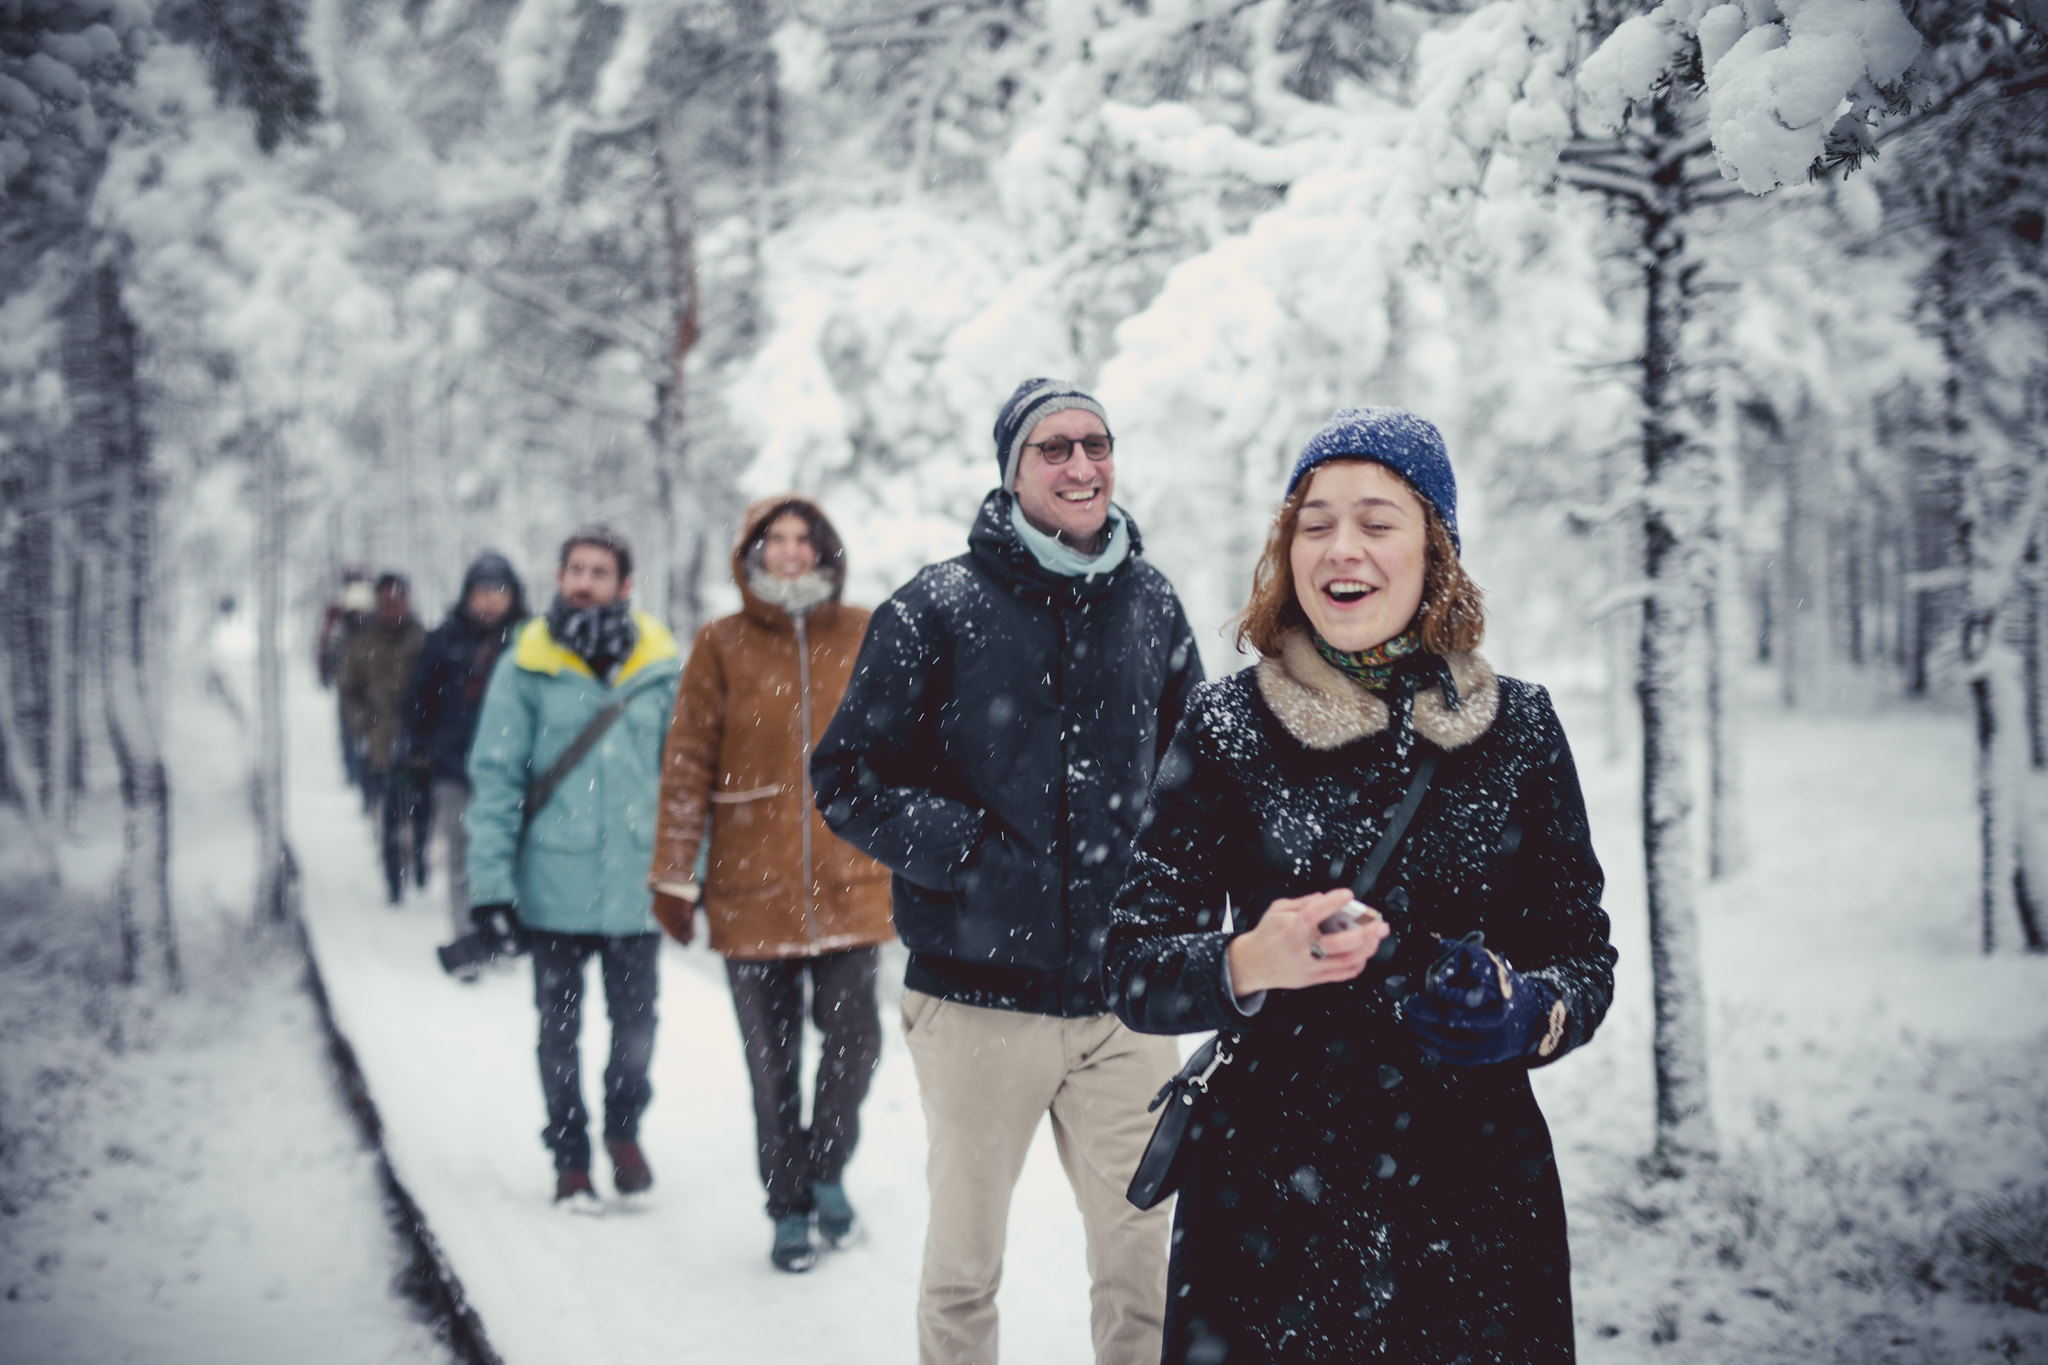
(1057, 449)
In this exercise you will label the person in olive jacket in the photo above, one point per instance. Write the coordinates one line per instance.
(1371, 1178)
(571, 875)
(789, 904)
(994, 749)
(376, 676)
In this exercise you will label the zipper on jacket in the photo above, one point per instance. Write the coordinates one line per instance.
(803, 754)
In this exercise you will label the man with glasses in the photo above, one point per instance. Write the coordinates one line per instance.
(995, 749)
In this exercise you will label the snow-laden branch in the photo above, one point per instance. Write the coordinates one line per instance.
(1644, 192)
(573, 316)
(1777, 76)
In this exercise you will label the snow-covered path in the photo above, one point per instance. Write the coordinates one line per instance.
(451, 1070)
(1873, 1076)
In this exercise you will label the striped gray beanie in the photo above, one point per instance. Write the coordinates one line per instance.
(1033, 402)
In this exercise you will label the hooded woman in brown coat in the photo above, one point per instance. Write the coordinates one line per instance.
(784, 897)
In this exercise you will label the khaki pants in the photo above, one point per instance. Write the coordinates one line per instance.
(985, 1077)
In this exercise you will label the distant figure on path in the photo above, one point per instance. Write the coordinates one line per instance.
(790, 906)
(567, 866)
(348, 613)
(1374, 1180)
(994, 749)
(441, 709)
(376, 673)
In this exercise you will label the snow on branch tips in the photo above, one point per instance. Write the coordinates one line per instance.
(1784, 83)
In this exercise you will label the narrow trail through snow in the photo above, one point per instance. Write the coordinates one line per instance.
(685, 1276)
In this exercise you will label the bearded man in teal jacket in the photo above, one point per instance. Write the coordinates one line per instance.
(570, 874)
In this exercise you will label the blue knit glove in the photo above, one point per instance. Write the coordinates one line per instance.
(1474, 1009)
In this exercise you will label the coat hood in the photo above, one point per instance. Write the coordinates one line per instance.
(824, 538)
(494, 568)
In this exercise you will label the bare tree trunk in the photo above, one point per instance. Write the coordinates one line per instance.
(22, 781)
(681, 505)
(61, 663)
(1726, 844)
(143, 890)
(1671, 485)
(273, 857)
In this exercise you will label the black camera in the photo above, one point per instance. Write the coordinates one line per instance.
(497, 934)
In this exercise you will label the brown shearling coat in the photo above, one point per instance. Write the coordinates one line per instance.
(778, 883)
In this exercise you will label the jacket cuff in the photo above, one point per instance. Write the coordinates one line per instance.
(1246, 1005)
(688, 891)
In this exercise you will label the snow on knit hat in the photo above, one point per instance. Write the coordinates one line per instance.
(1403, 442)
(1033, 402)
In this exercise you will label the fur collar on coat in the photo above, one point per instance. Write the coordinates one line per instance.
(1326, 710)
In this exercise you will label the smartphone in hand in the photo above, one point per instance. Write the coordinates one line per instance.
(1350, 917)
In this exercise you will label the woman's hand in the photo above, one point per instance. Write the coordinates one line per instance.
(1281, 950)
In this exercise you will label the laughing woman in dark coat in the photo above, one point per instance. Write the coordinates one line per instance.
(1372, 1179)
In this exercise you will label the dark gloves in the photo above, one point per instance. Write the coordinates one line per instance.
(677, 915)
(1475, 1009)
(500, 926)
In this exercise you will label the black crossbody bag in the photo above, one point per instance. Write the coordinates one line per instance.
(1160, 1169)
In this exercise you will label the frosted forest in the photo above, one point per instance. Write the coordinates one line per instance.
(1734, 317)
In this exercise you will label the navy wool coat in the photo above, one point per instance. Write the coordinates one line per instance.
(1347, 1197)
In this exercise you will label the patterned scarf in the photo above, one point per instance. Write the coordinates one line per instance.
(600, 636)
(1371, 668)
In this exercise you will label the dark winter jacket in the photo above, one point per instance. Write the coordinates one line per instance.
(448, 686)
(376, 671)
(993, 750)
(1349, 1198)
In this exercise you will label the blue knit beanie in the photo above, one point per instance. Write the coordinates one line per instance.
(1403, 442)
(1033, 402)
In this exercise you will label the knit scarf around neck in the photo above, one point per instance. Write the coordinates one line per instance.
(600, 636)
(1371, 668)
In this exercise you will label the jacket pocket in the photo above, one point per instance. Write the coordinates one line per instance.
(1010, 908)
(918, 1009)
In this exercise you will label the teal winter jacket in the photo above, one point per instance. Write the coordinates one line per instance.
(581, 866)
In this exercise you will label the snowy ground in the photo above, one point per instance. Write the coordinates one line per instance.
(1877, 1082)
(180, 1182)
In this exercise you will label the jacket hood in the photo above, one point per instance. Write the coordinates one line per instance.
(491, 567)
(824, 538)
(995, 544)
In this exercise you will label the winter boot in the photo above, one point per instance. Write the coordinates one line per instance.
(575, 1193)
(793, 1251)
(629, 1167)
(835, 1215)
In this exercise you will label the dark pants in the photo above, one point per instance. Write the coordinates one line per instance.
(629, 990)
(403, 802)
(769, 998)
